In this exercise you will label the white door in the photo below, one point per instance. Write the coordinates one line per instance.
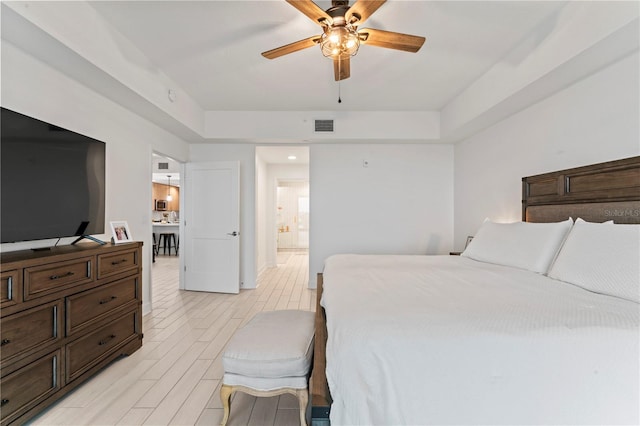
(211, 229)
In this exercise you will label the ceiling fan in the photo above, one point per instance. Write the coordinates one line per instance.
(341, 38)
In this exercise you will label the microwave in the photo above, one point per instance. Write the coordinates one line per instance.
(162, 205)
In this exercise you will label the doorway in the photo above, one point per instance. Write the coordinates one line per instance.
(165, 216)
(292, 214)
(282, 205)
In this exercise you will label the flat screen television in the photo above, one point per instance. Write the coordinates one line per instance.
(52, 181)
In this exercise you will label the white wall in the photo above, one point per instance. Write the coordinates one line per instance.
(594, 120)
(82, 30)
(35, 89)
(261, 215)
(246, 155)
(294, 126)
(401, 203)
(572, 43)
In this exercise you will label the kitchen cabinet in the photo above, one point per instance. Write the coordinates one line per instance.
(160, 192)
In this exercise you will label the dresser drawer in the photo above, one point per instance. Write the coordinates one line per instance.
(115, 263)
(89, 350)
(28, 386)
(10, 288)
(53, 277)
(99, 302)
(30, 330)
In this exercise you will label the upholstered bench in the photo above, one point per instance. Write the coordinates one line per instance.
(270, 355)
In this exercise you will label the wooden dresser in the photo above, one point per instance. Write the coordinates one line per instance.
(65, 313)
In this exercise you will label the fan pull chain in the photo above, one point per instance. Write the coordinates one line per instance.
(340, 78)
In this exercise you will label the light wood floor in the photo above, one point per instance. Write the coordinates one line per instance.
(174, 378)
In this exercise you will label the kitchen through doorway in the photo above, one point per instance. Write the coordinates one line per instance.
(165, 212)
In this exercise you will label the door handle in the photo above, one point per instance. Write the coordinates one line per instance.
(233, 234)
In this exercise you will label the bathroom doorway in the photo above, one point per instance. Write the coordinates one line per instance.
(292, 214)
(282, 206)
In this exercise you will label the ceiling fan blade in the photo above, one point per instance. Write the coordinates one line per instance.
(391, 40)
(342, 67)
(312, 11)
(291, 47)
(363, 9)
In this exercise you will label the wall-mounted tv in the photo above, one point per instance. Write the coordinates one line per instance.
(51, 180)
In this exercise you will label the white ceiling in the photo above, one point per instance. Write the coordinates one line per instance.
(282, 154)
(482, 61)
(211, 49)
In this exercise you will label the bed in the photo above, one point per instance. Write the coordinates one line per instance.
(537, 322)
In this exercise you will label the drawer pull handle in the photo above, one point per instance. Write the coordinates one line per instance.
(117, 262)
(105, 341)
(103, 301)
(5, 342)
(4, 402)
(57, 277)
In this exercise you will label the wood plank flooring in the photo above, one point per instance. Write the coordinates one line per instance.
(174, 378)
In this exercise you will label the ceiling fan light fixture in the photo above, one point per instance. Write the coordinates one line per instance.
(341, 36)
(340, 41)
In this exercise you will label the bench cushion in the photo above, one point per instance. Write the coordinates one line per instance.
(272, 344)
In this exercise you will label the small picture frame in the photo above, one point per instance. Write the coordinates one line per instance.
(120, 232)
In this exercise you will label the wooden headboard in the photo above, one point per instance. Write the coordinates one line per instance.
(596, 193)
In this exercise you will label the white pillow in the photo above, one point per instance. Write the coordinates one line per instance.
(608, 222)
(530, 246)
(602, 259)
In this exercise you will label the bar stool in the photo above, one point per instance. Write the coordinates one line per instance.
(166, 241)
(154, 249)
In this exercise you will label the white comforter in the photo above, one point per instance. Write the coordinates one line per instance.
(448, 340)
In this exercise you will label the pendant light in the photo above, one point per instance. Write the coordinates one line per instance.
(169, 197)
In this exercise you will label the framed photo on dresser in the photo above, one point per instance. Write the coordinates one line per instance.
(120, 232)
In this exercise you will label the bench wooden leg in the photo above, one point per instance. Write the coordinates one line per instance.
(226, 392)
(225, 397)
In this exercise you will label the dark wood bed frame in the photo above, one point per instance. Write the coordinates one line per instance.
(596, 193)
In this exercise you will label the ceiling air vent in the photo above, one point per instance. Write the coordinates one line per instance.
(324, 126)
(163, 166)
